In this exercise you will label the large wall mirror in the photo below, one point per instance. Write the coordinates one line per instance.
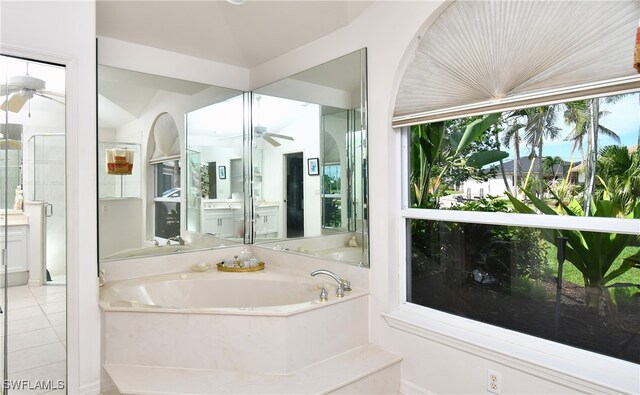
(170, 165)
(309, 162)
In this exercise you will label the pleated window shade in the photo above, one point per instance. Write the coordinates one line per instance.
(165, 141)
(481, 56)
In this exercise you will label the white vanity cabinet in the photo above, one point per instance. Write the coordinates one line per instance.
(217, 221)
(16, 254)
(221, 219)
(266, 221)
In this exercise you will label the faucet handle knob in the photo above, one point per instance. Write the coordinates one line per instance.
(339, 291)
(324, 295)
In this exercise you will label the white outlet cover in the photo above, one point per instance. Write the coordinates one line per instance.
(494, 382)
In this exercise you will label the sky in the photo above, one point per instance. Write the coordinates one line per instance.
(624, 120)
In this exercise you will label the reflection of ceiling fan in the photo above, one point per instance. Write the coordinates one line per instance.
(22, 89)
(261, 132)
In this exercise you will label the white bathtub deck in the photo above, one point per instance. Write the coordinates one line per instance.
(366, 370)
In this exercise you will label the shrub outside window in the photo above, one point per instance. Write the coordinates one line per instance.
(471, 253)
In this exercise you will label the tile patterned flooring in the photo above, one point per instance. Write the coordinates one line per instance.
(36, 337)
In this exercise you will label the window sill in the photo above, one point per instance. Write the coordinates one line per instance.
(571, 367)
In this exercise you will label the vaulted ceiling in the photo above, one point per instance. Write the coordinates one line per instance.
(242, 35)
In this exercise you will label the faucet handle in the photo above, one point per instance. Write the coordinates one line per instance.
(339, 291)
(324, 295)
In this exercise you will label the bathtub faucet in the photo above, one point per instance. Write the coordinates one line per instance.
(343, 285)
(176, 238)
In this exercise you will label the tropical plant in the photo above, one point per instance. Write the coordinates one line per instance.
(592, 253)
(618, 173)
(550, 165)
(437, 149)
(540, 126)
(586, 115)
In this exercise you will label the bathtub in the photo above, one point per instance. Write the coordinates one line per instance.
(265, 322)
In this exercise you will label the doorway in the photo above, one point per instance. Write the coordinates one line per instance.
(33, 306)
(294, 191)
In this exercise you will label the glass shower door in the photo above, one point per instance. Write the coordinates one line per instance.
(48, 163)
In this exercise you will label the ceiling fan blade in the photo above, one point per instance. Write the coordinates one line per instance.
(271, 141)
(280, 136)
(47, 97)
(15, 103)
(52, 93)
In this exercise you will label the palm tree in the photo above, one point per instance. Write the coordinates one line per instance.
(550, 165)
(540, 125)
(584, 114)
(576, 113)
(510, 136)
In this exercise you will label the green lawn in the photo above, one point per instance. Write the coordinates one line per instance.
(570, 273)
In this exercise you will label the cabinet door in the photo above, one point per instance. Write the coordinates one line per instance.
(267, 220)
(225, 227)
(209, 222)
(17, 248)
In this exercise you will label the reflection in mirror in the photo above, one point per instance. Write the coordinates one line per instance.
(309, 162)
(155, 195)
(214, 196)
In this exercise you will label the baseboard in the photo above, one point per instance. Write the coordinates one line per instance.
(35, 283)
(407, 387)
(91, 388)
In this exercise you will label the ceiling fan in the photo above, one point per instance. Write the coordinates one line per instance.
(261, 131)
(22, 89)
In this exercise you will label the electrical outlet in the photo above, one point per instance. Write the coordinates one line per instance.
(494, 382)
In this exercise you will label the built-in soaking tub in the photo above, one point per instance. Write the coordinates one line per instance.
(264, 321)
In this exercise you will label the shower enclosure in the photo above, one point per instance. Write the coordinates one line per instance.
(45, 185)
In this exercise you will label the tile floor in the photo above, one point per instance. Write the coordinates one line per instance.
(36, 338)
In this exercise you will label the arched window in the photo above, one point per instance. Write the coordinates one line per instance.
(514, 107)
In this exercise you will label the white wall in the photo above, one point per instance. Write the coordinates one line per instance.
(64, 32)
(433, 361)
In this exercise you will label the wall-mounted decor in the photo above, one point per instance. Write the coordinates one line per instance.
(222, 172)
(313, 167)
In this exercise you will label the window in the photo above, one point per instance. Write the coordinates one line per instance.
(331, 196)
(167, 199)
(472, 254)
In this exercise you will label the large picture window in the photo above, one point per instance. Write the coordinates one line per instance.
(471, 253)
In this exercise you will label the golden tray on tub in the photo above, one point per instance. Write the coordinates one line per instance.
(223, 268)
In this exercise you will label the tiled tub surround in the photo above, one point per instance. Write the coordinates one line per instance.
(260, 332)
(269, 321)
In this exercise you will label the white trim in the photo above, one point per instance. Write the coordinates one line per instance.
(407, 387)
(595, 224)
(567, 366)
(72, 148)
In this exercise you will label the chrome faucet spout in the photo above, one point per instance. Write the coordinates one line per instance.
(343, 284)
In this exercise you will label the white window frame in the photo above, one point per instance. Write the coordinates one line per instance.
(568, 366)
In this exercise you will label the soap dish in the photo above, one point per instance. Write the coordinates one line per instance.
(223, 268)
(200, 267)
